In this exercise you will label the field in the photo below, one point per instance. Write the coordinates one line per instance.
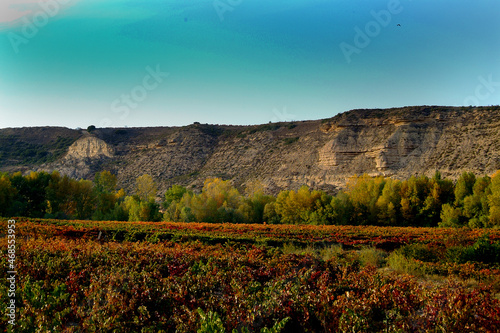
(88, 276)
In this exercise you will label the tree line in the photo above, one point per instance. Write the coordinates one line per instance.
(418, 201)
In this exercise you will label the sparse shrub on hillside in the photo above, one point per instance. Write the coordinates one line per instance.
(289, 141)
(120, 132)
(26, 153)
(265, 127)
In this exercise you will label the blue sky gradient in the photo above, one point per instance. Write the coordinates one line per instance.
(240, 62)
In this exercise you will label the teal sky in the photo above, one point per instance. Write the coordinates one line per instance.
(77, 63)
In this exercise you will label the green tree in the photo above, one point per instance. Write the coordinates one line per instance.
(217, 202)
(388, 204)
(476, 206)
(69, 198)
(451, 217)
(107, 197)
(494, 200)
(105, 181)
(342, 210)
(440, 191)
(173, 212)
(322, 212)
(422, 198)
(187, 215)
(7, 195)
(251, 210)
(174, 194)
(270, 215)
(364, 192)
(105, 206)
(132, 206)
(59, 194)
(30, 199)
(142, 210)
(295, 207)
(464, 187)
(145, 187)
(84, 198)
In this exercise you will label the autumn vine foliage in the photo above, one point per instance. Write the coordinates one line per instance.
(89, 276)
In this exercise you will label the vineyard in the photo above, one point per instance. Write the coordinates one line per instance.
(96, 276)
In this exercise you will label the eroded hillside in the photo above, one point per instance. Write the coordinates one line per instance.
(322, 154)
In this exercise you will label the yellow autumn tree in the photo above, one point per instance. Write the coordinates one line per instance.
(145, 187)
(295, 207)
(494, 200)
(217, 202)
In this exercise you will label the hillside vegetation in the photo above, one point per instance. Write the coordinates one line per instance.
(34, 146)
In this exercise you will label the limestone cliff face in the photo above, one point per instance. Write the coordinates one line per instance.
(405, 143)
(321, 154)
(89, 147)
(84, 157)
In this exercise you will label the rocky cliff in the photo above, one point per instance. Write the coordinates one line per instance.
(323, 154)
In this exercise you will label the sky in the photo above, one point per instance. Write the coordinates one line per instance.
(134, 63)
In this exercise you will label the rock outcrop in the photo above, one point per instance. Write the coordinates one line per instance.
(84, 157)
(403, 143)
(89, 147)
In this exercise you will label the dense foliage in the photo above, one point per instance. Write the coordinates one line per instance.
(419, 201)
(84, 276)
